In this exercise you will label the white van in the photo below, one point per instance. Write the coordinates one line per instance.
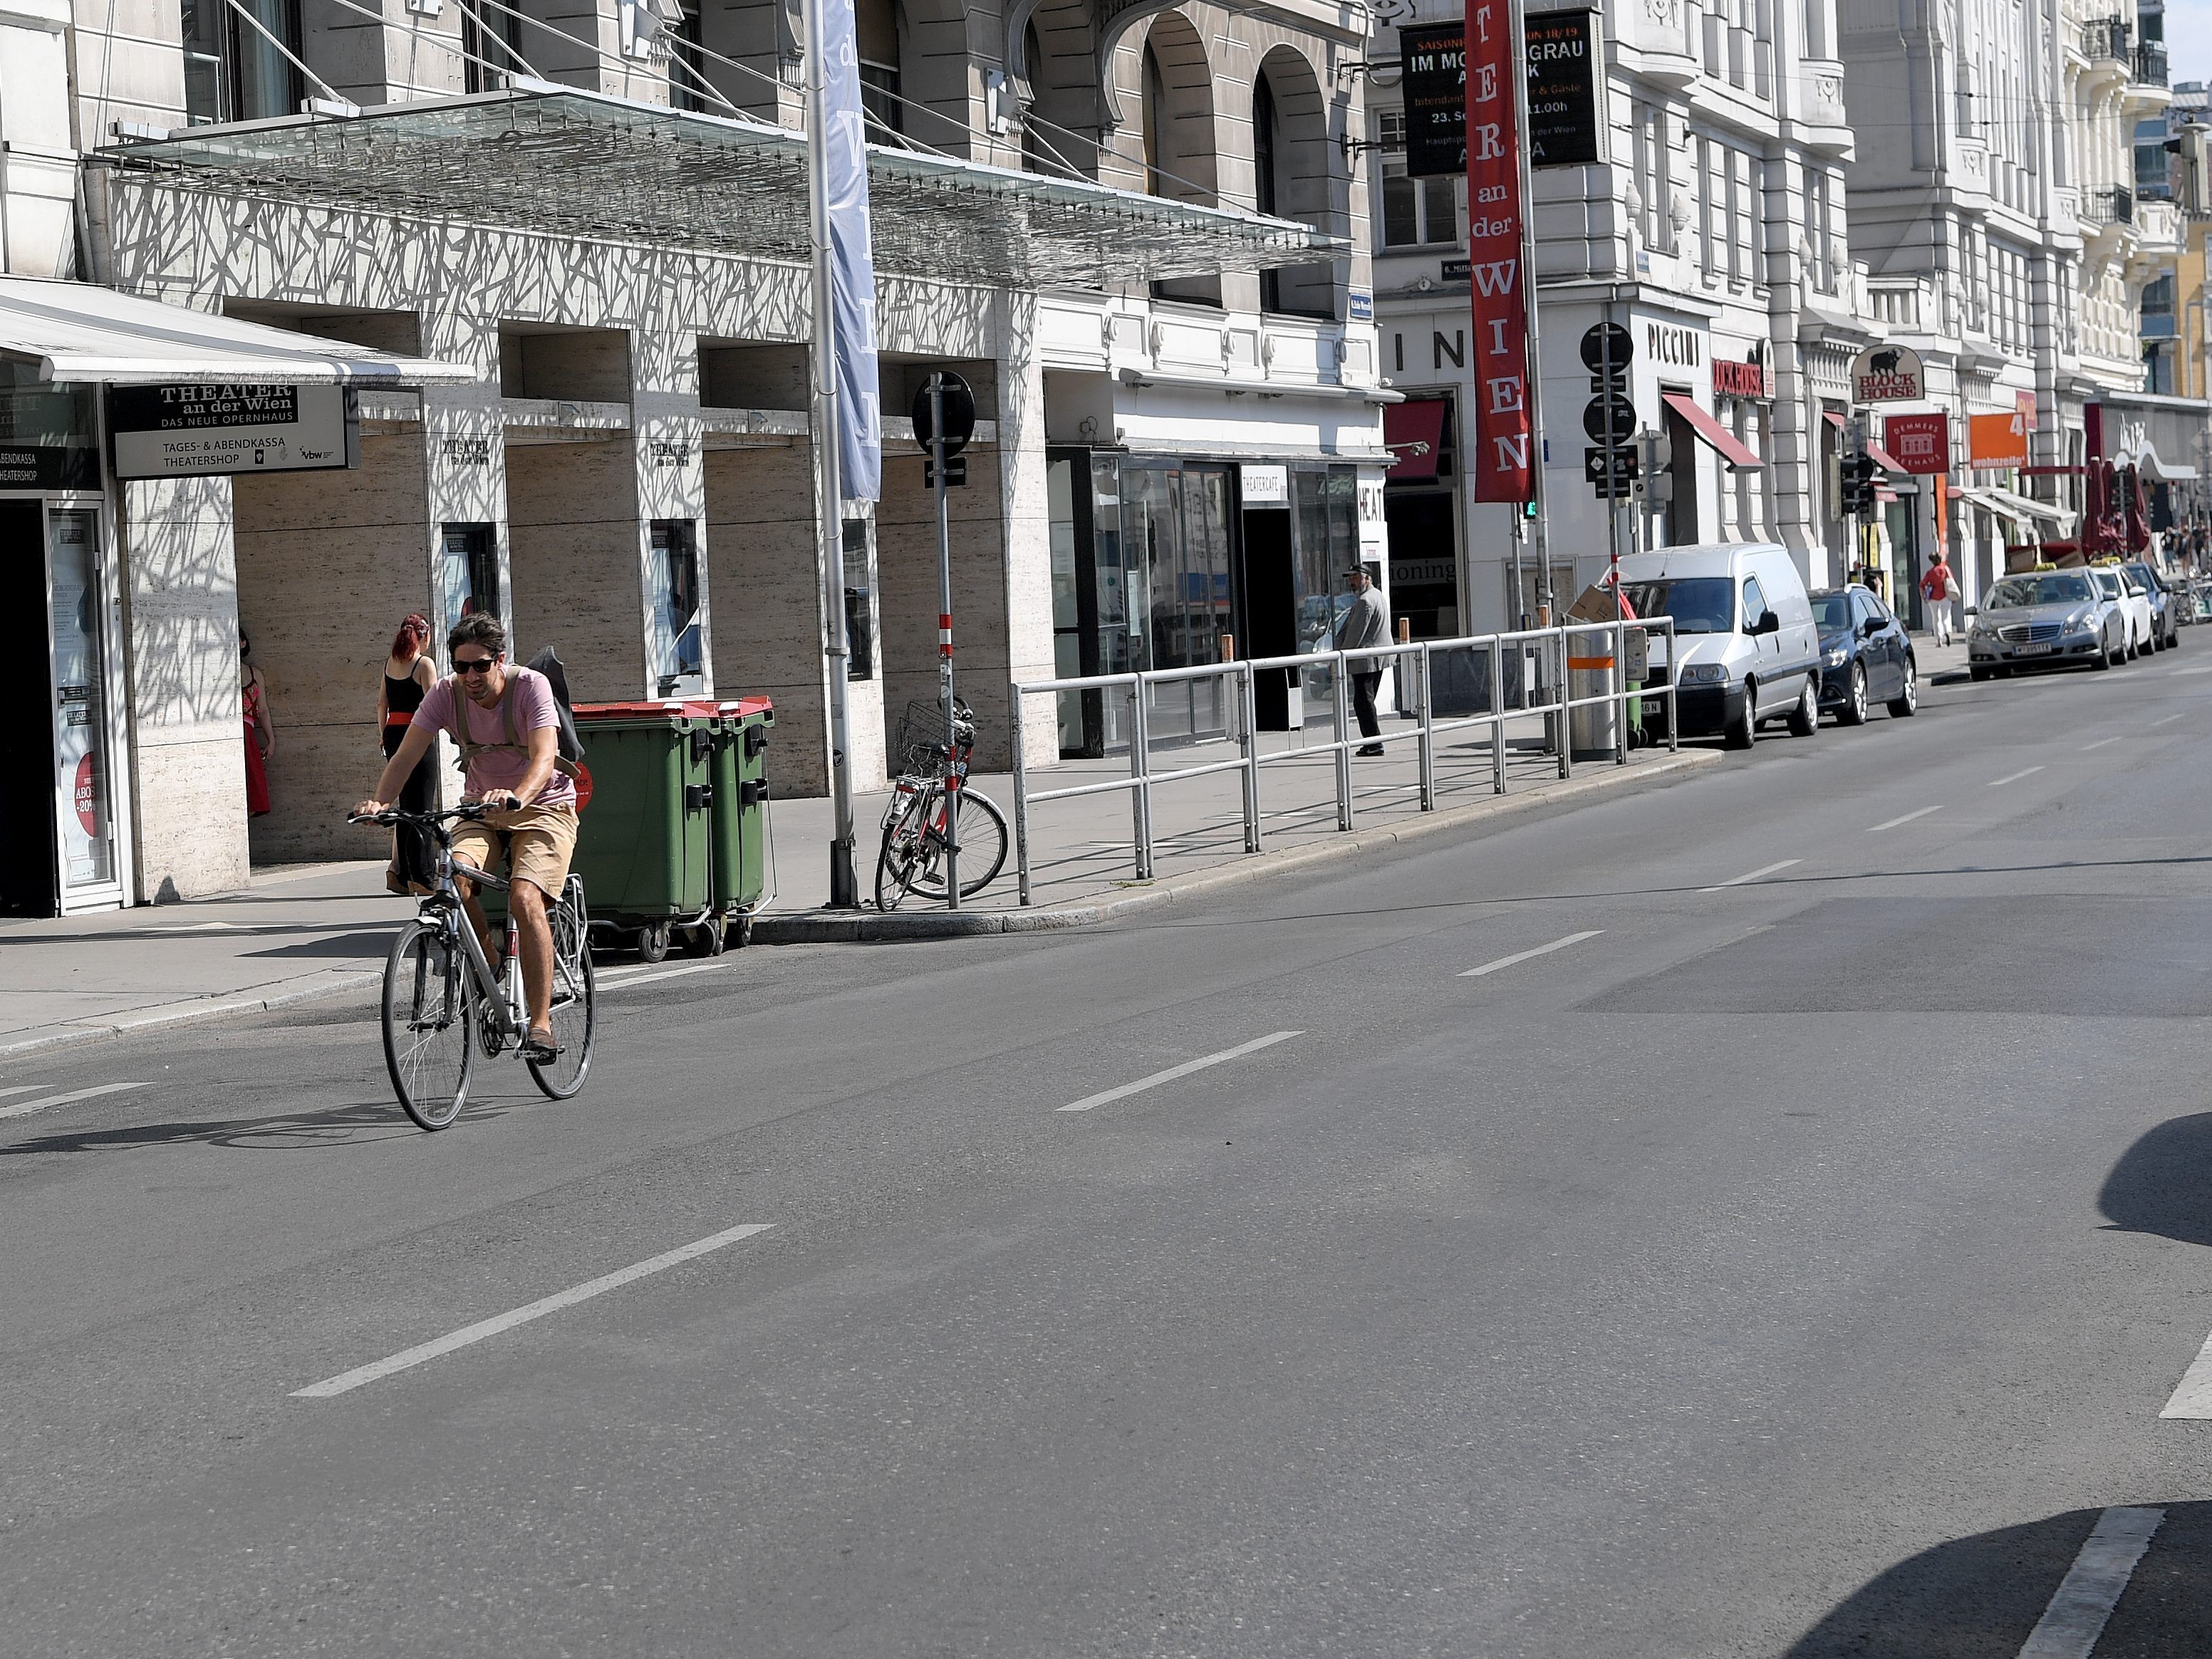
(1744, 628)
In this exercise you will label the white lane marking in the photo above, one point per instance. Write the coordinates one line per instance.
(1523, 955)
(1892, 824)
(24, 1089)
(2093, 1586)
(2180, 673)
(2193, 1400)
(2170, 719)
(506, 1321)
(620, 977)
(2100, 743)
(1996, 783)
(25, 1108)
(1183, 1070)
(1764, 870)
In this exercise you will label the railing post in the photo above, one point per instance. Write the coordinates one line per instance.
(1341, 701)
(1566, 716)
(1674, 686)
(1497, 714)
(1021, 804)
(1249, 696)
(1427, 739)
(1619, 685)
(1140, 805)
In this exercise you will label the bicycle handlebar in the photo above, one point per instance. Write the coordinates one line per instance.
(393, 815)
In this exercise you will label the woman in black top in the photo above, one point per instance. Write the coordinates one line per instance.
(407, 674)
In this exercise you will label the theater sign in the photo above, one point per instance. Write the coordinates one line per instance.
(195, 431)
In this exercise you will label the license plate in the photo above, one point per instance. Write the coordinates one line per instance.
(2032, 650)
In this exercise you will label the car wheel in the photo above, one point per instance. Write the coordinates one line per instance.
(2135, 645)
(1907, 701)
(1805, 718)
(1854, 711)
(1743, 730)
(2106, 659)
(1976, 675)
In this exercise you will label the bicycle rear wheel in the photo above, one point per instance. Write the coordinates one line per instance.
(983, 842)
(574, 1015)
(428, 1016)
(909, 853)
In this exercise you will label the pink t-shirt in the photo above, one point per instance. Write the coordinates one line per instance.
(534, 709)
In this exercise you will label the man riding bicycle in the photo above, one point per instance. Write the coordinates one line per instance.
(507, 725)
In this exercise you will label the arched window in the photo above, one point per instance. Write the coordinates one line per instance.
(1178, 129)
(1296, 174)
(1155, 100)
(1263, 179)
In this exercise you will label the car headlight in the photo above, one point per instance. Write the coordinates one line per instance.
(1705, 673)
(1982, 631)
(1832, 657)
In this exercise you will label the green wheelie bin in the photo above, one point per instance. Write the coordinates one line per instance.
(644, 841)
(739, 767)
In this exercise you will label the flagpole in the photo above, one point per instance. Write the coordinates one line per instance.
(829, 508)
(1517, 22)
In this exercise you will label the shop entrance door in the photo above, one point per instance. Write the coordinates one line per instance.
(29, 872)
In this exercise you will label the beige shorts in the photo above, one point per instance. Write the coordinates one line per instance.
(541, 842)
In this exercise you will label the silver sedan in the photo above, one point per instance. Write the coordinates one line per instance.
(2043, 619)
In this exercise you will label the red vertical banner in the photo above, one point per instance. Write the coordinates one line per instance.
(1501, 470)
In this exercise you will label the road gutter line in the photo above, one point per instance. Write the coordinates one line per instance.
(1892, 824)
(24, 1109)
(1524, 955)
(1766, 870)
(2093, 1586)
(1183, 1070)
(1999, 783)
(346, 1381)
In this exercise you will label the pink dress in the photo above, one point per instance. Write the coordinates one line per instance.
(257, 773)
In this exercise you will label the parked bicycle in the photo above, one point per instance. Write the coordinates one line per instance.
(442, 999)
(927, 819)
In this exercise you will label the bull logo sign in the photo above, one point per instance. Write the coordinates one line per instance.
(1888, 374)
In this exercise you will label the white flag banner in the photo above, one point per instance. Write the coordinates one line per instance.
(851, 259)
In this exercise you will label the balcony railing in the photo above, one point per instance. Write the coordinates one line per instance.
(2107, 37)
(2115, 206)
(2150, 64)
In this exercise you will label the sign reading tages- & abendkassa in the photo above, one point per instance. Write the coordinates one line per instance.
(199, 430)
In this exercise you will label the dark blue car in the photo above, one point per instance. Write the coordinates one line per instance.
(1865, 654)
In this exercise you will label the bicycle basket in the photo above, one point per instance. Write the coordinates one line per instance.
(918, 750)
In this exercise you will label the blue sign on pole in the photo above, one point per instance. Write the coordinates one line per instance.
(851, 259)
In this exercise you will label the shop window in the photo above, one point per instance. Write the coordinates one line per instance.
(859, 600)
(1416, 212)
(235, 70)
(674, 648)
(469, 572)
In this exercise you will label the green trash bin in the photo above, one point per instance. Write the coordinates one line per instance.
(740, 867)
(644, 840)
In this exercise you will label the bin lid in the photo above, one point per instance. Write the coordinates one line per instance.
(738, 709)
(640, 711)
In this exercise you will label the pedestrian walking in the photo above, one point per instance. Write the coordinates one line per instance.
(408, 675)
(260, 730)
(1366, 623)
(1938, 588)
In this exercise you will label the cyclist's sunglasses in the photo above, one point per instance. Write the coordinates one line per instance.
(473, 665)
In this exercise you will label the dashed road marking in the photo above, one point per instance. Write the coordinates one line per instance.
(407, 1357)
(2014, 777)
(615, 978)
(25, 1108)
(1754, 875)
(1892, 824)
(1183, 1070)
(2100, 743)
(1524, 955)
(2170, 719)
(2192, 1399)
(2093, 1586)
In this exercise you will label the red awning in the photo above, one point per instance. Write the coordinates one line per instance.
(1725, 443)
(1413, 432)
(1882, 457)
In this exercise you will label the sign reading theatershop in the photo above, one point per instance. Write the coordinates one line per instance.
(193, 430)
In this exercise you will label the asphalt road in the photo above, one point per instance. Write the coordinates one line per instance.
(1797, 1267)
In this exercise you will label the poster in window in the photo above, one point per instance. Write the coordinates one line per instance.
(1436, 100)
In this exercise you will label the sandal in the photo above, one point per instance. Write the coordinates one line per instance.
(541, 1047)
(394, 883)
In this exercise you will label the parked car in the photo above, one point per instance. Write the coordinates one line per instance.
(2043, 619)
(1746, 649)
(2165, 605)
(2133, 603)
(1865, 654)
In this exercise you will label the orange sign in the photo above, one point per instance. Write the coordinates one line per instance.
(1996, 440)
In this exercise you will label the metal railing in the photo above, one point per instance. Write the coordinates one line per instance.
(2107, 39)
(2113, 206)
(2150, 64)
(1549, 649)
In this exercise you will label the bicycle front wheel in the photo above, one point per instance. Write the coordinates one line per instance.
(982, 840)
(909, 853)
(429, 1034)
(574, 1016)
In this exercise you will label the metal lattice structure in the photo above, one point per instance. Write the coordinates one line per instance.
(585, 165)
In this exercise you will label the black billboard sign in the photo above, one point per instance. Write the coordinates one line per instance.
(1435, 100)
(1565, 55)
(1564, 67)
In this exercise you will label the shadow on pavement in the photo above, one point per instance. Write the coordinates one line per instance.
(1980, 1597)
(341, 1126)
(2163, 1183)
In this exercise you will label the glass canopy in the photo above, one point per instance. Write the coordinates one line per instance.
(586, 165)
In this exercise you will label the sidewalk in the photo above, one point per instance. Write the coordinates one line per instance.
(322, 930)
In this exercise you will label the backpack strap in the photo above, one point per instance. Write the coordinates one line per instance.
(513, 745)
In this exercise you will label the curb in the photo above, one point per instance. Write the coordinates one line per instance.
(869, 927)
(184, 1013)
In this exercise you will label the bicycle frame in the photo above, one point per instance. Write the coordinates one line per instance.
(497, 991)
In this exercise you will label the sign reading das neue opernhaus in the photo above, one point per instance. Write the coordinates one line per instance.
(203, 430)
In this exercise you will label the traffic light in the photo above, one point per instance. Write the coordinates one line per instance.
(1657, 461)
(1860, 471)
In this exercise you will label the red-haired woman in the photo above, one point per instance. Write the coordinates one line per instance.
(407, 674)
